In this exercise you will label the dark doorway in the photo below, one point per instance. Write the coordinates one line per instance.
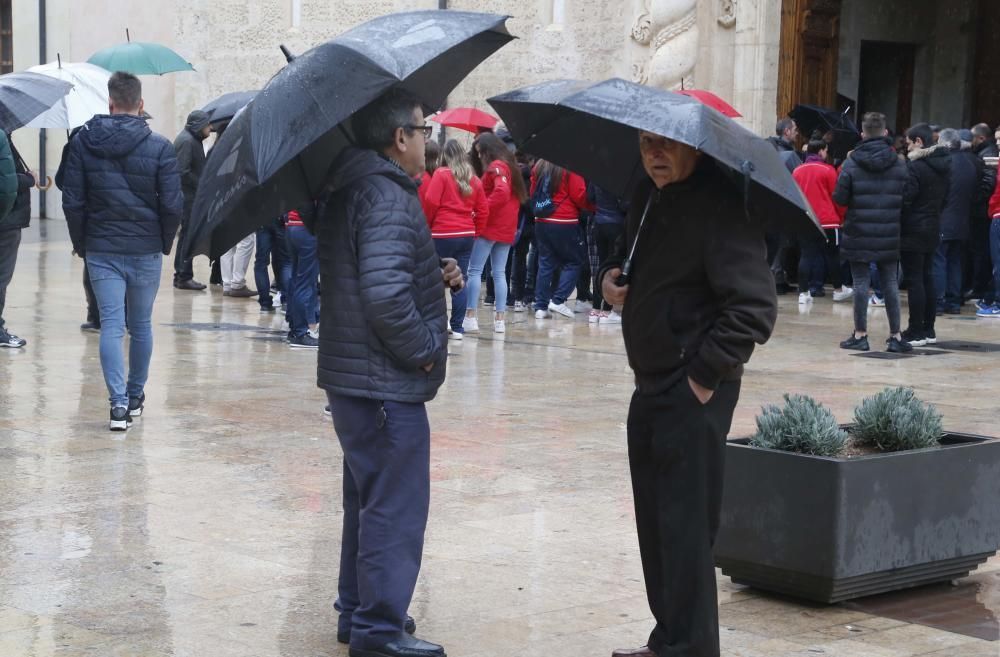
(986, 98)
(886, 83)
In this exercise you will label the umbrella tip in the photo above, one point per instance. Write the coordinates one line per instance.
(287, 53)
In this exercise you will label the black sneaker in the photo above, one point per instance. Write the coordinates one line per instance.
(91, 326)
(818, 293)
(914, 338)
(267, 309)
(11, 341)
(304, 342)
(327, 411)
(120, 419)
(136, 404)
(897, 346)
(857, 344)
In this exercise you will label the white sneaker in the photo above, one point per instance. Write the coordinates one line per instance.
(582, 306)
(562, 309)
(499, 326)
(470, 325)
(611, 318)
(876, 301)
(452, 335)
(519, 307)
(846, 294)
(543, 314)
(804, 298)
(314, 333)
(594, 316)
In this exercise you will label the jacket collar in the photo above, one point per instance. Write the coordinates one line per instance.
(920, 153)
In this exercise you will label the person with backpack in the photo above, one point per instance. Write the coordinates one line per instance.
(456, 208)
(11, 223)
(558, 197)
(504, 187)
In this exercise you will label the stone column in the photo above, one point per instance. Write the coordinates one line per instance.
(758, 41)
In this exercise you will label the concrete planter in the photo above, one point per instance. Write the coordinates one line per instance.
(832, 529)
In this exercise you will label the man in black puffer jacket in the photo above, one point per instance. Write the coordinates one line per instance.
(190, 164)
(122, 199)
(981, 275)
(930, 171)
(871, 185)
(382, 352)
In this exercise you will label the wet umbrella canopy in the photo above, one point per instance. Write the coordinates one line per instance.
(276, 153)
(24, 96)
(225, 107)
(811, 117)
(592, 129)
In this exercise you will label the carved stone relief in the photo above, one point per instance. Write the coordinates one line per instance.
(669, 28)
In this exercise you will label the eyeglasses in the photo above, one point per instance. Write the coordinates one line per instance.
(425, 129)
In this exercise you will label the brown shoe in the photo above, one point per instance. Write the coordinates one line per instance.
(634, 652)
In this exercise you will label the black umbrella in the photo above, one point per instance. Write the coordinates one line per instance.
(811, 117)
(24, 96)
(277, 152)
(225, 107)
(592, 129)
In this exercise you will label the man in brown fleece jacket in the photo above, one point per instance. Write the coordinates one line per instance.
(700, 296)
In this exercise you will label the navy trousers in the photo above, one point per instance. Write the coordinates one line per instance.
(386, 498)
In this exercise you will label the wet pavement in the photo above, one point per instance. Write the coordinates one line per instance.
(211, 529)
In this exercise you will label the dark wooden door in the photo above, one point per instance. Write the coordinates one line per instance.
(810, 44)
(986, 98)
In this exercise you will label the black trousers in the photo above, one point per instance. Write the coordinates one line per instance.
(676, 451)
(921, 293)
(605, 237)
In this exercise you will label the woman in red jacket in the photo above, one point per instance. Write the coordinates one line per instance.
(558, 204)
(454, 204)
(505, 190)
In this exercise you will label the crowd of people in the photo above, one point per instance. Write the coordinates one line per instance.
(919, 212)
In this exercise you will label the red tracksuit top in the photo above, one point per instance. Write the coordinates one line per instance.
(570, 200)
(449, 214)
(501, 225)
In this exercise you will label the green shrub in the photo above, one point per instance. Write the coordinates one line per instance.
(895, 420)
(802, 425)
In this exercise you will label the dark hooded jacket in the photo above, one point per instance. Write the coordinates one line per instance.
(926, 191)
(121, 191)
(20, 215)
(964, 193)
(8, 182)
(383, 308)
(871, 185)
(701, 294)
(786, 152)
(988, 181)
(191, 157)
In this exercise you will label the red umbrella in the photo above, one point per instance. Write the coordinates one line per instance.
(469, 119)
(713, 101)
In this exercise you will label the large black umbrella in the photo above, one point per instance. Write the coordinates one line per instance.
(811, 117)
(225, 107)
(277, 152)
(24, 96)
(592, 129)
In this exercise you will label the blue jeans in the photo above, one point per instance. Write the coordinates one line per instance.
(559, 246)
(271, 248)
(459, 248)
(483, 249)
(948, 273)
(123, 282)
(386, 500)
(303, 300)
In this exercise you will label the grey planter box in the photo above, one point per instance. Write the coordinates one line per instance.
(832, 529)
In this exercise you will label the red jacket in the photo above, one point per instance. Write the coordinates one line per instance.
(995, 201)
(449, 214)
(570, 200)
(504, 204)
(817, 180)
(423, 181)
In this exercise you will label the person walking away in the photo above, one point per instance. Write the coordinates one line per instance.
(303, 297)
(699, 298)
(993, 311)
(382, 357)
(505, 191)
(979, 229)
(871, 185)
(820, 257)
(558, 197)
(608, 227)
(963, 194)
(456, 209)
(929, 168)
(191, 162)
(123, 203)
(10, 233)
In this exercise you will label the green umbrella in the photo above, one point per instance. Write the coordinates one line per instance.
(140, 58)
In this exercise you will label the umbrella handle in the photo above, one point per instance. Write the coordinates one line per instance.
(747, 168)
(48, 184)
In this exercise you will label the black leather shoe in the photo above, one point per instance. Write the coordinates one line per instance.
(405, 646)
(409, 626)
(190, 284)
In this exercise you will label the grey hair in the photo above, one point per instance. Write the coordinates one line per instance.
(950, 138)
(375, 124)
(782, 125)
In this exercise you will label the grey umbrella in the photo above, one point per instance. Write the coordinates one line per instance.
(592, 129)
(23, 96)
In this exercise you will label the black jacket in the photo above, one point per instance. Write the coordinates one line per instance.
(383, 310)
(190, 164)
(964, 193)
(121, 191)
(988, 182)
(786, 152)
(871, 185)
(926, 191)
(20, 214)
(701, 293)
